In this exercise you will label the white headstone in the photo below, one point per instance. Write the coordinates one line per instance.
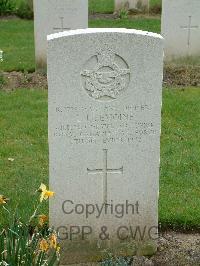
(140, 5)
(51, 16)
(181, 28)
(105, 90)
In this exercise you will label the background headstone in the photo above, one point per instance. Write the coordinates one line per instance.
(51, 16)
(104, 140)
(181, 28)
(140, 5)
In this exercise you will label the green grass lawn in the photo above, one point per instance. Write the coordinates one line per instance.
(180, 157)
(155, 2)
(17, 43)
(18, 39)
(23, 136)
(101, 6)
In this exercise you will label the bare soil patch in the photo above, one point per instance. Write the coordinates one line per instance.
(175, 249)
(116, 16)
(8, 17)
(103, 16)
(182, 75)
(178, 77)
(18, 80)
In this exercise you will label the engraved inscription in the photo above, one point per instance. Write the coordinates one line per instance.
(105, 76)
(85, 125)
(105, 170)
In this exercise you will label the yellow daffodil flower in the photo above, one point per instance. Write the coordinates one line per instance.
(58, 250)
(53, 241)
(43, 245)
(3, 199)
(45, 194)
(42, 219)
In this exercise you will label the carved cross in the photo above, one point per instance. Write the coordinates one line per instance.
(62, 28)
(105, 170)
(189, 27)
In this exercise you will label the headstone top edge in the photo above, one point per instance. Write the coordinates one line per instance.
(58, 35)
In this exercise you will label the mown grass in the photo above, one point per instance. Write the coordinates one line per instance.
(17, 40)
(101, 6)
(23, 136)
(140, 23)
(180, 157)
(155, 2)
(17, 44)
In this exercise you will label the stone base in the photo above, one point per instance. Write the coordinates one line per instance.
(90, 254)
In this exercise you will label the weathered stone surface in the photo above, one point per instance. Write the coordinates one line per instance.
(105, 90)
(181, 28)
(51, 16)
(140, 5)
